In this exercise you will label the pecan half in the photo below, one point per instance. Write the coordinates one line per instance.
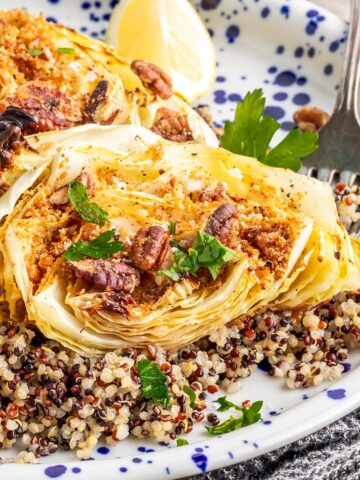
(172, 126)
(310, 118)
(149, 248)
(12, 123)
(105, 274)
(153, 77)
(221, 222)
(61, 197)
(213, 194)
(49, 107)
(97, 100)
(117, 302)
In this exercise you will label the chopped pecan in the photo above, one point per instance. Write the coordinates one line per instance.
(149, 248)
(61, 197)
(12, 123)
(105, 274)
(172, 125)
(97, 100)
(204, 112)
(153, 77)
(117, 302)
(213, 194)
(221, 222)
(49, 107)
(310, 118)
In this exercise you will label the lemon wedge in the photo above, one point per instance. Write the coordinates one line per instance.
(170, 34)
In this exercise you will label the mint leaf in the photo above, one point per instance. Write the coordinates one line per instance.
(180, 442)
(249, 416)
(192, 395)
(251, 132)
(206, 252)
(35, 52)
(87, 210)
(100, 247)
(153, 382)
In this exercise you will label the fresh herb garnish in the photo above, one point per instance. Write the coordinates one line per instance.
(192, 395)
(172, 228)
(153, 382)
(180, 442)
(251, 132)
(226, 405)
(66, 50)
(206, 252)
(35, 52)
(101, 247)
(87, 210)
(249, 416)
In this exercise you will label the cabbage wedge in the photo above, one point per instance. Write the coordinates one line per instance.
(52, 73)
(289, 249)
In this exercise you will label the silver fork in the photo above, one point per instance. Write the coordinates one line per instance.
(338, 156)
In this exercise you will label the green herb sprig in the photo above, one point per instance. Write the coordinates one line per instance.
(87, 210)
(226, 405)
(192, 396)
(249, 416)
(153, 382)
(206, 252)
(180, 442)
(251, 132)
(66, 50)
(101, 247)
(35, 52)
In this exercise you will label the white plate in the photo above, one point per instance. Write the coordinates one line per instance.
(293, 50)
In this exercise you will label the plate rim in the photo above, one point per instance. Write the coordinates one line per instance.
(319, 417)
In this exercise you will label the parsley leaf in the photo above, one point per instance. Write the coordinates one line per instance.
(249, 416)
(35, 52)
(251, 132)
(229, 426)
(206, 252)
(66, 50)
(172, 228)
(252, 414)
(181, 442)
(226, 405)
(153, 382)
(296, 144)
(192, 395)
(100, 247)
(87, 210)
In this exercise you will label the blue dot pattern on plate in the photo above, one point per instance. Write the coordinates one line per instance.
(227, 23)
(103, 450)
(55, 471)
(347, 367)
(281, 74)
(336, 394)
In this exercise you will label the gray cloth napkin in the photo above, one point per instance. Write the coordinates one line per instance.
(332, 453)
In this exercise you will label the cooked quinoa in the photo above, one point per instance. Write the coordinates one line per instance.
(51, 398)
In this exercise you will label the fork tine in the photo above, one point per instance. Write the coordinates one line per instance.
(324, 175)
(346, 176)
(355, 229)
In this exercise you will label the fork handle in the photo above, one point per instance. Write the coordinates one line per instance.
(347, 99)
